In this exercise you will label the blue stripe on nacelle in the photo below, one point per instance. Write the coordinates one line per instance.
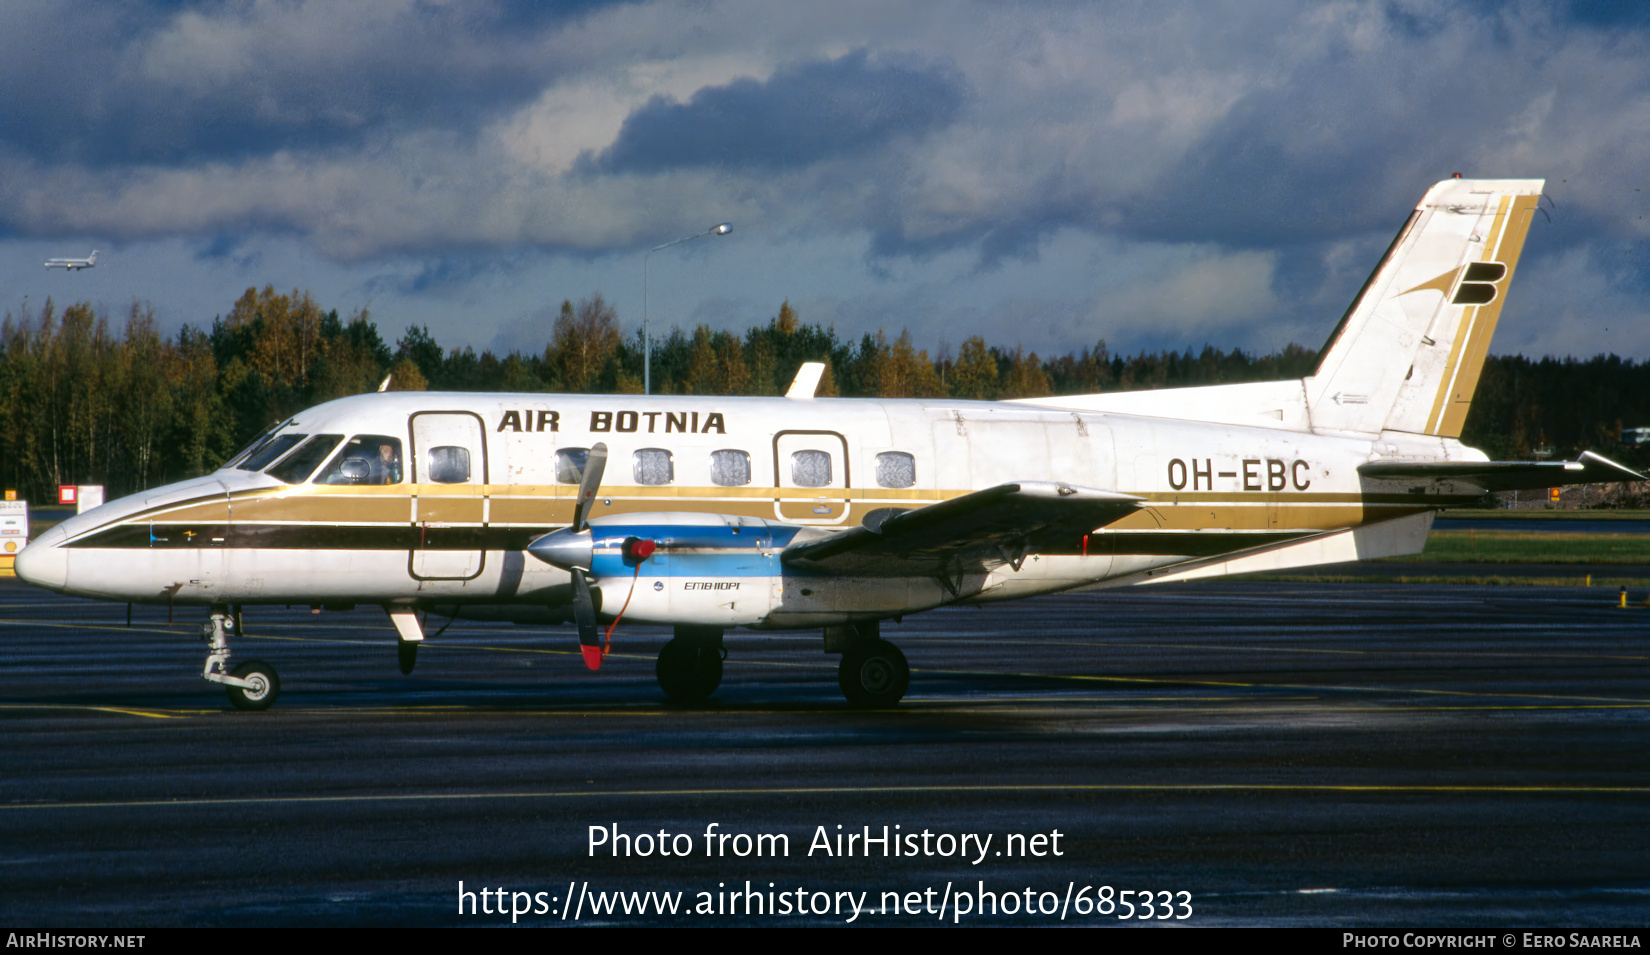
(692, 550)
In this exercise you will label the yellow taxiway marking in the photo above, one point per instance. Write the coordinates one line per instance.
(151, 714)
(1188, 788)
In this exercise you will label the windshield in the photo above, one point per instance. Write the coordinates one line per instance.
(264, 454)
(302, 462)
(250, 445)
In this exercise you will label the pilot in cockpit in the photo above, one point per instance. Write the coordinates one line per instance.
(386, 468)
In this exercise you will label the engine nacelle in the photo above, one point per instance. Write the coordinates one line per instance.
(706, 569)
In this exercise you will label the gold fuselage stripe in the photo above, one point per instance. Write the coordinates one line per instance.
(552, 505)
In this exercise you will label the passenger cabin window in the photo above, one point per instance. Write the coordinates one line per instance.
(570, 465)
(896, 469)
(730, 468)
(810, 468)
(270, 450)
(300, 464)
(366, 459)
(447, 464)
(654, 466)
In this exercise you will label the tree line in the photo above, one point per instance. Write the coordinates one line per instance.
(129, 409)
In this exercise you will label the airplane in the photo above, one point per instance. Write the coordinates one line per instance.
(69, 265)
(830, 514)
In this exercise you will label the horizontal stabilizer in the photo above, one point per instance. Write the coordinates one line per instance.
(1589, 468)
(1002, 524)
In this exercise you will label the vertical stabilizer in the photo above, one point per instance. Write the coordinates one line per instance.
(1407, 354)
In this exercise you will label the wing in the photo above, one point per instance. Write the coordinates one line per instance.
(1589, 468)
(1002, 524)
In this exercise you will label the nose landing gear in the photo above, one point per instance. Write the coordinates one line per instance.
(253, 685)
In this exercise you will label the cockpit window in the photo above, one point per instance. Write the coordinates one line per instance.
(252, 445)
(266, 453)
(366, 459)
(302, 462)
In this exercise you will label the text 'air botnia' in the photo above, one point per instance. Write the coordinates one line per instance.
(648, 422)
(867, 842)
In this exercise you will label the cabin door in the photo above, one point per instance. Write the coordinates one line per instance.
(448, 470)
(811, 478)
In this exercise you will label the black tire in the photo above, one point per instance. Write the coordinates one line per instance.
(406, 654)
(688, 672)
(256, 698)
(873, 674)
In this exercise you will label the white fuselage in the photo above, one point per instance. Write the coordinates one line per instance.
(245, 537)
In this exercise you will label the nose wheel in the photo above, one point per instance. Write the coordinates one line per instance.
(260, 686)
(252, 685)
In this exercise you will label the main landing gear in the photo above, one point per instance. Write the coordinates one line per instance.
(253, 685)
(690, 665)
(873, 673)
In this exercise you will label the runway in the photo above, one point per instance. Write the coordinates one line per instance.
(1284, 754)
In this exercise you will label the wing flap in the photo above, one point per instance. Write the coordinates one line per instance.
(1589, 468)
(1001, 524)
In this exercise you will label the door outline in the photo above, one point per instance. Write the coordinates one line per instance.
(419, 526)
(779, 499)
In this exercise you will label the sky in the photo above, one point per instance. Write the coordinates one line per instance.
(1157, 175)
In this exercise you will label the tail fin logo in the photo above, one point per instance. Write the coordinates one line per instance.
(1479, 285)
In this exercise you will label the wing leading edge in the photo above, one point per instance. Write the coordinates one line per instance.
(1589, 468)
(1002, 524)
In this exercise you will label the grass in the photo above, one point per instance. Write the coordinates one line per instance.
(1532, 547)
(1606, 585)
(1571, 514)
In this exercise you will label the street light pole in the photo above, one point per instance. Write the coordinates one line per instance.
(647, 337)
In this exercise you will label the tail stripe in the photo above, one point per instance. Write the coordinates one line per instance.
(1511, 224)
(1469, 319)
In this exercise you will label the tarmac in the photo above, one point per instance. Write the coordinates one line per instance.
(1244, 753)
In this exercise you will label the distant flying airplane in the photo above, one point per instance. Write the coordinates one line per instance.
(835, 514)
(69, 265)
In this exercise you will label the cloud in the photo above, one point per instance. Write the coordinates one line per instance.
(954, 163)
(124, 83)
(800, 116)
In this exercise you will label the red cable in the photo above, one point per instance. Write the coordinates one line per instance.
(607, 638)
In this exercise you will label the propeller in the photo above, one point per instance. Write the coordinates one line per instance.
(584, 609)
(571, 549)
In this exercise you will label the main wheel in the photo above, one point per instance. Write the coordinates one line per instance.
(266, 686)
(688, 672)
(873, 674)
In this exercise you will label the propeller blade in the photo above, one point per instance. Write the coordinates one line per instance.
(589, 484)
(584, 613)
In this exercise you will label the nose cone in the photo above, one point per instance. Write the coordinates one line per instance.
(565, 548)
(43, 565)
